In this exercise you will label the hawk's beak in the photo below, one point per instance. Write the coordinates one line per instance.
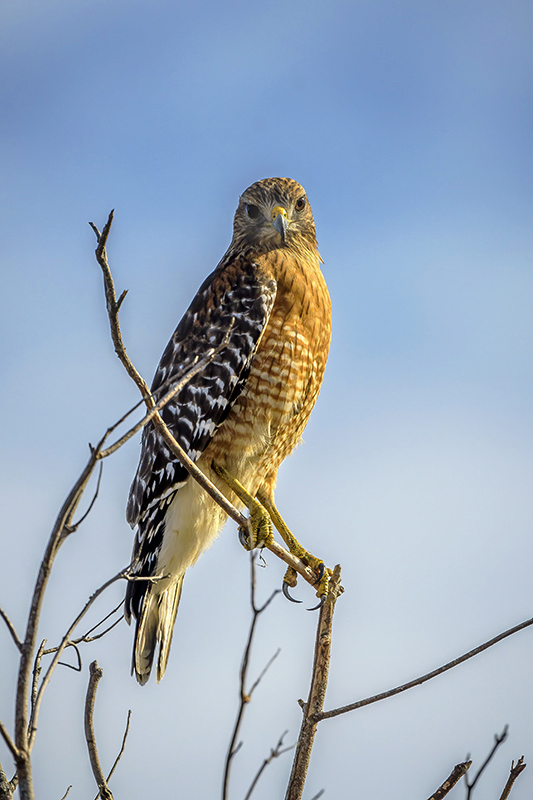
(280, 221)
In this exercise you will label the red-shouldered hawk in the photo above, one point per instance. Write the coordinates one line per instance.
(243, 413)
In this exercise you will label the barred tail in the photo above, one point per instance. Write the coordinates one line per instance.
(155, 625)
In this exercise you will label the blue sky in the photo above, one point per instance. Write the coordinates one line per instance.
(410, 126)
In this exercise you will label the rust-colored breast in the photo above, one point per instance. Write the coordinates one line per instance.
(267, 420)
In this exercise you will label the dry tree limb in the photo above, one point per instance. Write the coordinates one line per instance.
(334, 712)
(7, 788)
(498, 740)
(95, 674)
(113, 307)
(275, 752)
(317, 691)
(66, 793)
(245, 696)
(457, 773)
(516, 769)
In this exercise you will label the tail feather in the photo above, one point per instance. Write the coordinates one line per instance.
(155, 626)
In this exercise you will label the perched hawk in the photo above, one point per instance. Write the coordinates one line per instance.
(268, 303)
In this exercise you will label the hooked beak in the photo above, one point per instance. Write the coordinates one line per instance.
(280, 221)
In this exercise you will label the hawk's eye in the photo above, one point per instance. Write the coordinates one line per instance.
(252, 211)
(300, 204)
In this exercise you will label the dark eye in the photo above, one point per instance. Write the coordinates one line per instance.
(252, 211)
(300, 204)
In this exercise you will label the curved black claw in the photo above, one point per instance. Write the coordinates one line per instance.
(320, 571)
(320, 604)
(285, 590)
(243, 538)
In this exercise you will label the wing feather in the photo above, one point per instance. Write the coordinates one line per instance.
(235, 301)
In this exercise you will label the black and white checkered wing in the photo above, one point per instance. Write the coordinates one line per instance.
(234, 302)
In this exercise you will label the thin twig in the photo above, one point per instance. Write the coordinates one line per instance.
(176, 387)
(121, 752)
(264, 671)
(76, 525)
(498, 740)
(95, 674)
(455, 776)
(427, 677)
(9, 741)
(86, 638)
(245, 696)
(11, 629)
(516, 769)
(66, 793)
(77, 667)
(317, 690)
(277, 751)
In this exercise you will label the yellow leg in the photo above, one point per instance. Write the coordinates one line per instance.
(262, 514)
(296, 549)
(260, 522)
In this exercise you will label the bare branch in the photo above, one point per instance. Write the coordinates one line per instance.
(498, 740)
(95, 675)
(516, 769)
(245, 696)
(317, 690)
(277, 751)
(427, 677)
(457, 773)
(66, 793)
(11, 629)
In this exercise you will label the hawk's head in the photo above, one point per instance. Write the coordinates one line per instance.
(274, 213)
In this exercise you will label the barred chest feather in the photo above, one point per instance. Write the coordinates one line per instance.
(267, 420)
